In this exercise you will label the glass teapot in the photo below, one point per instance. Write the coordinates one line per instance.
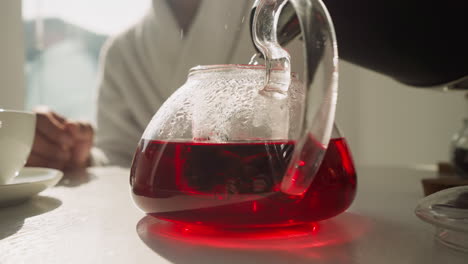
(249, 145)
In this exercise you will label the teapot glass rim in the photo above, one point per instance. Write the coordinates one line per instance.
(227, 67)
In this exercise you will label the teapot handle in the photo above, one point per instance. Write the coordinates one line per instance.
(321, 53)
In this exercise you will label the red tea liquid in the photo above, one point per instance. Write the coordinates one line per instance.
(237, 184)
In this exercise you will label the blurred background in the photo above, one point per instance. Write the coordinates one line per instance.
(49, 53)
(75, 30)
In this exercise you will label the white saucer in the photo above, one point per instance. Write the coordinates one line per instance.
(29, 182)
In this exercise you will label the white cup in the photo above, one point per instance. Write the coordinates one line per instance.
(16, 139)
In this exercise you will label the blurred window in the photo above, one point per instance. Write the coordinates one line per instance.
(63, 40)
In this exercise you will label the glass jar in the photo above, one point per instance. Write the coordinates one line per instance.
(217, 152)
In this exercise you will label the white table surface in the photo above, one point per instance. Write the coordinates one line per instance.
(93, 220)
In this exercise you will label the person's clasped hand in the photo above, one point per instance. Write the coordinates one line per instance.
(60, 143)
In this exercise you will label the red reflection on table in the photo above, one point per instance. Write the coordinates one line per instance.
(339, 230)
